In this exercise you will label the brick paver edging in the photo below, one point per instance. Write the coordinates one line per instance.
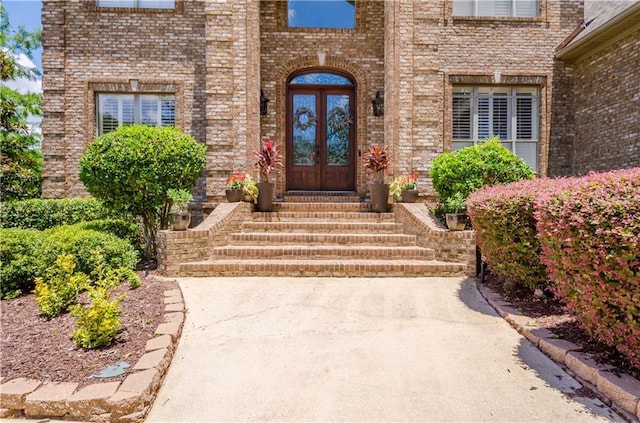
(621, 391)
(128, 401)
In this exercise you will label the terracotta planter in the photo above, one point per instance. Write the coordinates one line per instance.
(379, 197)
(180, 220)
(409, 196)
(233, 195)
(265, 196)
(456, 221)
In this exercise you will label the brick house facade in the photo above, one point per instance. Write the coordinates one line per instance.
(436, 68)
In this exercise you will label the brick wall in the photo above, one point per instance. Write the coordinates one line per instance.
(607, 108)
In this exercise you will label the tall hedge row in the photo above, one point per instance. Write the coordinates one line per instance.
(582, 235)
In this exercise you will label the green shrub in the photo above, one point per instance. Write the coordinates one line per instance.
(123, 229)
(590, 236)
(132, 168)
(97, 324)
(58, 291)
(88, 247)
(18, 268)
(44, 214)
(488, 163)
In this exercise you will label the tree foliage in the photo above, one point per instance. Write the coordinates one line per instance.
(132, 168)
(21, 161)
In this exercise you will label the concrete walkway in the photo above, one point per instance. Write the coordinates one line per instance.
(323, 349)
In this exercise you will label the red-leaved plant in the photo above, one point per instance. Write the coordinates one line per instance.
(268, 160)
(377, 160)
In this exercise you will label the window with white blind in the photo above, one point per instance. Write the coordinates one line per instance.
(508, 112)
(499, 8)
(128, 109)
(138, 4)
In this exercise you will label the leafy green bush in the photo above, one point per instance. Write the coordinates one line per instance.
(44, 214)
(590, 236)
(18, 268)
(488, 163)
(132, 168)
(58, 291)
(87, 246)
(123, 229)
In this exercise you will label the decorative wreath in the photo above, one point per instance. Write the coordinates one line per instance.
(310, 120)
(338, 119)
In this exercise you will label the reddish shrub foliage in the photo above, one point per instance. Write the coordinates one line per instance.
(590, 237)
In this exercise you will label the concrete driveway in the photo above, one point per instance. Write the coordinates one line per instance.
(392, 349)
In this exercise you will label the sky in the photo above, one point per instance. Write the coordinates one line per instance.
(28, 14)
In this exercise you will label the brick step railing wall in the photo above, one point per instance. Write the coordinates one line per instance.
(311, 238)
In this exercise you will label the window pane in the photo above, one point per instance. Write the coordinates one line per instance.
(128, 115)
(458, 145)
(108, 113)
(461, 118)
(528, 151)
(501, 117)
(148, 110)
(168, 111)
(527, 8)
(321, 78)
(524, 118)
(484, 130)
(322, 14)
(501, 8)
(156, 4)
(116, 3)
(462, 7)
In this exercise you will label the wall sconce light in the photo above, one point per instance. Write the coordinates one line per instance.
(497, 77)
(378, 104)
(133, 83)
(263, 103)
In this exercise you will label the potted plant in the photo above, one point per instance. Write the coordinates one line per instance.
(235, 186)
(179, 212)
(268, 161)
(377, 160)
(455, 210)
(405, 187)
(249, 189)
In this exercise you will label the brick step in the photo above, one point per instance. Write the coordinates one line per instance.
(322, 206)
(323, 226)
(323, 268)
(321, 199)
(306, 252)
(268, 238)
(344, 216)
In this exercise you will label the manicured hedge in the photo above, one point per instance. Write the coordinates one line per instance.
(43, 214)
(506, 231)
(590, 237)
(27, 254)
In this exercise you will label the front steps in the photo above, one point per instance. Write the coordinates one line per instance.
(307, 237)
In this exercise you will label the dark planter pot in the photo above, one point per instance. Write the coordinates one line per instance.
(233, 195)
(409, 196)
(265, 196)
(180, 220)
(456, 221)
(379, 197)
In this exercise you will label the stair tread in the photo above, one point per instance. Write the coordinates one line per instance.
(320, 262)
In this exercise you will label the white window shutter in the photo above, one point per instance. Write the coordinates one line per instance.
(462, 7)
(524, 118)
(527, 8)
(462, 118)
(168, 111)
(484, 119)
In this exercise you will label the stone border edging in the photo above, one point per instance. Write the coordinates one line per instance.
(621, 390)
(126, 401)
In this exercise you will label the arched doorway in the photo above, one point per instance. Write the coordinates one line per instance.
(321, 131)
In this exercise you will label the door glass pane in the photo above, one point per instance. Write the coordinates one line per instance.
(321, 78)
(304, 130)
(338, 125)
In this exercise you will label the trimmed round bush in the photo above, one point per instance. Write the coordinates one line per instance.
(488, 163)
(18, 268)
(590, 236)
(123, 229)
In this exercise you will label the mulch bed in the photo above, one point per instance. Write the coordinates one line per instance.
(34, 347)
(549, 312)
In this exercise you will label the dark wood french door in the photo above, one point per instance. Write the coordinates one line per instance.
(320, 138)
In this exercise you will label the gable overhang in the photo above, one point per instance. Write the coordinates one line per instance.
(621, 26)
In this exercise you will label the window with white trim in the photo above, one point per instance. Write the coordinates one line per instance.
(127, 109)
(138, 4)
(508, 112)
(497, 8)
